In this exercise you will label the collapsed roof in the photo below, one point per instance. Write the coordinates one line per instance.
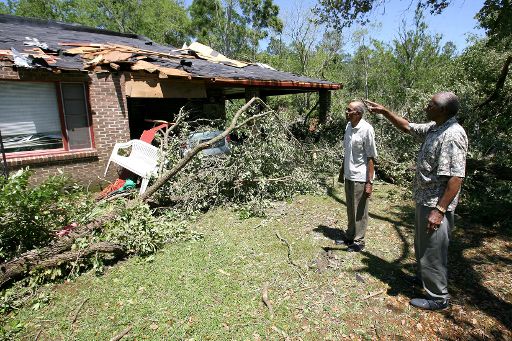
(33, 43)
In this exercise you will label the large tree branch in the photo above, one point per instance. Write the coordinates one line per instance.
(499, 83)
(488, 167)
(190, 155)
(21, 265)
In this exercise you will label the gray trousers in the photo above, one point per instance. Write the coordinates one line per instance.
(357, 211)
(431, 249)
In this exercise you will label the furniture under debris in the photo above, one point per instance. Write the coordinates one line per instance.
(142, 160)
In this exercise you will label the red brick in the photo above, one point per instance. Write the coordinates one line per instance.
(109, 121)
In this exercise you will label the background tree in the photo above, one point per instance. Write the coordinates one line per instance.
(344, 13)
(234, 27)
(496, 18)
(164, 21)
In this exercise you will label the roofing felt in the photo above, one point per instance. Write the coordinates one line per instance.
(15, 32)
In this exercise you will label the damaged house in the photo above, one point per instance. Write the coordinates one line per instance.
(68, 93)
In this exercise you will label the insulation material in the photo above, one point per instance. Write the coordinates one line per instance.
(35, 42)
(21, 60)
(210, 54)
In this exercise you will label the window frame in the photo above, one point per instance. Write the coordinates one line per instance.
(63, 127)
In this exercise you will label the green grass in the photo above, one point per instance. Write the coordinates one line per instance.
(211, 289)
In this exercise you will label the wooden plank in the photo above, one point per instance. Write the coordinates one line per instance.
(84, 44)
(150, 67)
(82, 49)
(115, 56)
(165, 88)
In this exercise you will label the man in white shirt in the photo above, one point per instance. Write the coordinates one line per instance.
(358, 171)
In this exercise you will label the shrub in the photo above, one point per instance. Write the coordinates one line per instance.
(29, 215)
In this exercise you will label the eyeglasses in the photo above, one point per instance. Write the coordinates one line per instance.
(431, 104)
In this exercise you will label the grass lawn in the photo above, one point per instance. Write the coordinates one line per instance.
(212, 289)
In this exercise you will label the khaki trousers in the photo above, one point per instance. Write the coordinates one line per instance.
(357, 211)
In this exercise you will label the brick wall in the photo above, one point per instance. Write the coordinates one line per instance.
(109, 114)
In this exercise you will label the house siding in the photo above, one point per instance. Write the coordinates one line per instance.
(109, 114)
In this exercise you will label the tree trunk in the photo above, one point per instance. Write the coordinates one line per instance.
(19, 266)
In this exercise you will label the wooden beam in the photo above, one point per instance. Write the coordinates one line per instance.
(324, 105)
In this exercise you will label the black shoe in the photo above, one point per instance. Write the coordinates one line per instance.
(355, 248)
(414, 280)
(429, 304)
(343, 242)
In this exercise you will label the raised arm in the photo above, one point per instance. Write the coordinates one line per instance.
(399, 122)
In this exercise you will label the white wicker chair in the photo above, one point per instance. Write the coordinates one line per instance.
(143, 160)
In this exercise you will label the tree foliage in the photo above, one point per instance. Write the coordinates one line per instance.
(30, 215)
(344, 13)
(163, 21)
(496, 18)
(234, 27)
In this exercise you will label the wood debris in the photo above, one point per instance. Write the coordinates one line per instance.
(266, 301)
(142, 59)
(122, 334)
(113, 54)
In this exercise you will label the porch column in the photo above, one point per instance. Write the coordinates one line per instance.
(324, 105)
(250, 93)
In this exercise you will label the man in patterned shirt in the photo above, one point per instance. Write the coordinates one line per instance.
(440, 168)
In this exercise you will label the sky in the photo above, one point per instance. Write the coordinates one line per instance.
(454, 24)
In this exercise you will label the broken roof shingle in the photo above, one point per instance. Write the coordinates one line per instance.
(24, 34)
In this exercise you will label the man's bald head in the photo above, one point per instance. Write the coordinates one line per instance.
(358, 106)
(447, 101)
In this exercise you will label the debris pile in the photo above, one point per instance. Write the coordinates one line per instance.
(96, 56)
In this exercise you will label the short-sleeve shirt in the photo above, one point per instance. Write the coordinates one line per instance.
(359, 145)
(441, 156)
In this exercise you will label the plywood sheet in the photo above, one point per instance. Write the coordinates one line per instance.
(165, 88)
(150, 67)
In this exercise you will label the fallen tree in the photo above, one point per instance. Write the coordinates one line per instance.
(47, 256)
(58, 252)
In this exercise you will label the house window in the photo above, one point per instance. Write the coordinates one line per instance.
(75, 113)
(30, 118)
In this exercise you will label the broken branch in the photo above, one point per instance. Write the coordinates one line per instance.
(499, 83)
(53, 255)
(73, 320)
(289, 249)
(264, 298)
(183, 162)
(122, 334)
(290, 260)
(374, 294)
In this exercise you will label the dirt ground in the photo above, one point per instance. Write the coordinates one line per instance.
(480, 263)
